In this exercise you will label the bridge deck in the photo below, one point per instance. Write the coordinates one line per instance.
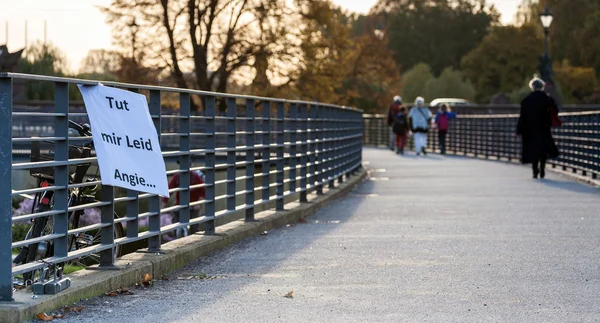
(440, 239)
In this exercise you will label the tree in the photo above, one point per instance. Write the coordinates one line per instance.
(505, 57)
(577, 83)
(574, 33)
(337, 65)
(100, 64)
(42, 59)
(211, 39)
(415, 81)
(451, 84)
(436, 32)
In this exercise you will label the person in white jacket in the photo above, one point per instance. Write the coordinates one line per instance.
(420, 119)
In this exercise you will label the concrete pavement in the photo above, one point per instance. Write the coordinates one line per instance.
(425, 239)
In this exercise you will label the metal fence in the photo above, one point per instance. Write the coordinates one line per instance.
(271, 150)
(494, 136)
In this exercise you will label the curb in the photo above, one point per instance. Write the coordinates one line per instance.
(130, 269)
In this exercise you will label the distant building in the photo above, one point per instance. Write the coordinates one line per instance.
(9, 62)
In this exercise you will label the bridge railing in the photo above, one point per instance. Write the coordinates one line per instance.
(494, 137)
(254, 152)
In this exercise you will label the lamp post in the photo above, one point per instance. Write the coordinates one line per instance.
(379, 32)
(545, 63)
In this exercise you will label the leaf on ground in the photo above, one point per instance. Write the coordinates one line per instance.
(124, 291)
(44, 317)
(138, 285)
(111, 294)
(147, 281)
(147, 278)
(74, 309)
(164, 277)
(59, 316)
(289, 295)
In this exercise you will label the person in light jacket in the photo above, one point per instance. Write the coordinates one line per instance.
(420, 119)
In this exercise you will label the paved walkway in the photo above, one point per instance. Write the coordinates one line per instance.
(427, 239)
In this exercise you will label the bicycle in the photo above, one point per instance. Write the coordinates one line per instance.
(44, 201)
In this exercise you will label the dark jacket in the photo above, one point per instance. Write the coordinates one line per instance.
(392, 112)
(535, 127)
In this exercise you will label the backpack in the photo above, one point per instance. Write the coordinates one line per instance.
(399, 125)
(442, 121)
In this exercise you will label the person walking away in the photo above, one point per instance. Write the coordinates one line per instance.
(420, 119)
(442, 120)
(392, 111)
(400, 129)
(534, 128)
(197, 194)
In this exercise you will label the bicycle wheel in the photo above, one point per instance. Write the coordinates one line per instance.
(91, 238)
(37, 251)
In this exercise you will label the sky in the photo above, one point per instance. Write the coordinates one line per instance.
(77, 26)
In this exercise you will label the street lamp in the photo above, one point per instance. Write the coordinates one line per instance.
(546, 64)
(546, 19)
(379, 33)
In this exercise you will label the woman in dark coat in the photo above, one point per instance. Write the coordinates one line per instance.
(535, 128)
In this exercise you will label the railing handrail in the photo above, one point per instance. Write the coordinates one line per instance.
(33, 77)
(494, 116)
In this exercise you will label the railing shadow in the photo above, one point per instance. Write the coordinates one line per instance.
(240, 265)
(569, 185)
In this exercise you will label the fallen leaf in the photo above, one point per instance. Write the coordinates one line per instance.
(138, 285)
(59, 316)
(290, 294)
(147, 281)
(164, 277)
(74, 309)
(124, 291)
(45, 317)
(112, 294)
(147, 278)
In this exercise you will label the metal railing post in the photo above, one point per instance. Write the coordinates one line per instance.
(250, 113)
(362, 130)
(133, 207)
(292, 125)
(317, 150)
(61, 173)
(154, 201)
(107, 218)
(184, 159)
(329, 135)
(231, 154)
(595, 120)
(6, 287)
(266, 151)
(339, 132)
(280, 178)
(303, 131)
(209, 162)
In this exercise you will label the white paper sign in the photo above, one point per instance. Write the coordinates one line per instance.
(125, 140)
